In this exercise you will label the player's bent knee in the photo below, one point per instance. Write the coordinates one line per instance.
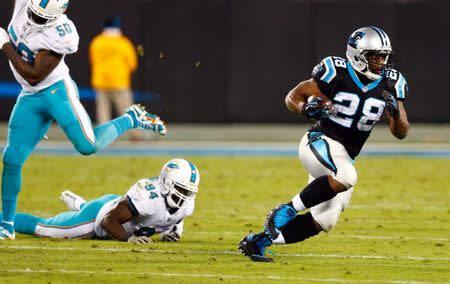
(347, 178)
(13, 157)
(85, 148)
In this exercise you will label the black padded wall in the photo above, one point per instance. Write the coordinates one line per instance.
(235, 60)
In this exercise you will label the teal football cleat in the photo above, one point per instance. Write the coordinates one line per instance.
(146, 121)
(254, 246)
(7, 231)
(278, 218)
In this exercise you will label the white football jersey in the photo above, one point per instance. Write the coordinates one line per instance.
(61, 37)
(153, 212)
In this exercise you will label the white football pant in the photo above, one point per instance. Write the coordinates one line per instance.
(326, 156)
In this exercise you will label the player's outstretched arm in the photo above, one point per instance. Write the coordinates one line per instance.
(112, 222)
(44, 63)
(299, 95)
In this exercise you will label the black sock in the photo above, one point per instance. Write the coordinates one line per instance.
(318, 191)
(299, 229)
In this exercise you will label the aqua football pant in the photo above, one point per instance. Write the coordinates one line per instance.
(30, 119)
(68, 225)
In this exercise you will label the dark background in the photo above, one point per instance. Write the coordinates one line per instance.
(234, 61)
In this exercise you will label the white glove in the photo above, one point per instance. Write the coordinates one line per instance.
(170, 237)
(4, 37)
(139, 240)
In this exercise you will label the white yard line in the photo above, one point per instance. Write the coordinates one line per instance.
(400, 238)
(218, 276)
(394, 206)
(418, 258)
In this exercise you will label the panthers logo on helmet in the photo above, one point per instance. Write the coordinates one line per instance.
(353, 39)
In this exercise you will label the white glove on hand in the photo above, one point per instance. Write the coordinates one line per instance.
(4, 37)
(170, 237)
(139, 240)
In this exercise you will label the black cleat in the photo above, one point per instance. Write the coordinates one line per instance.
(254, 245)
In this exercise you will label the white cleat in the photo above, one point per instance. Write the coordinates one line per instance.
(72, 200)
(146, 121)
(6, 234)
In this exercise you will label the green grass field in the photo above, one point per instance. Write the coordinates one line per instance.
(396, 230)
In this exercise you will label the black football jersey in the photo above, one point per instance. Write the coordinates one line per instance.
(358, 106)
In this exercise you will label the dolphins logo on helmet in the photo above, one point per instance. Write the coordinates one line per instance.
(43, 13)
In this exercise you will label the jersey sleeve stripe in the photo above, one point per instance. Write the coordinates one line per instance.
(330, 72)
(131, 206)
(400, 87)
(13, 33)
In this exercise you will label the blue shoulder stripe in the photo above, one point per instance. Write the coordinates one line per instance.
(330, 70)
(400, 87)
(12, 33)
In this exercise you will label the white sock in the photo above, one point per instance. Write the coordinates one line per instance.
(78, 202)
(279, 240)
(298, 203)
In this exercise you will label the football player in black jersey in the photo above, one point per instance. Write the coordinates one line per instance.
(346, 97)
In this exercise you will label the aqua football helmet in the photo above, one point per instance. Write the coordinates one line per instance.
(368, 51)
(179, 179)
(43, 13)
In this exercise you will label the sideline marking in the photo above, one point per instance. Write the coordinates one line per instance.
(234, 151)
(345, 236)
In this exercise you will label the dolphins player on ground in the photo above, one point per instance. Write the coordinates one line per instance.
(151, 206)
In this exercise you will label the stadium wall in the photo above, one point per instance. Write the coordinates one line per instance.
(234, 61)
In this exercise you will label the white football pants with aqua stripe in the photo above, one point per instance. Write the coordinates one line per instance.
(68, 225)
(29, 122)
(321, 155)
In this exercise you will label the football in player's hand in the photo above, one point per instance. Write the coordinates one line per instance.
(317, 107)
(322, 101)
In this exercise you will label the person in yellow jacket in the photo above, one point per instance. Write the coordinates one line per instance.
(113, 59)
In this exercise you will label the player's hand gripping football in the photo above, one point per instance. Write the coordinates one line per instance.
(170, 237)
(317, 108)
(4, 37)
(391, 104)
(141, 240)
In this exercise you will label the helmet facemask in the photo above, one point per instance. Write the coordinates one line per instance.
(376, 62)
(177, 193)
(179, 179)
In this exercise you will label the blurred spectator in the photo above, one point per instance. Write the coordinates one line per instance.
(113, 59)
